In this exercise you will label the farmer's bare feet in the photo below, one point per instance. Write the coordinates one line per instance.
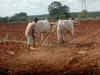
(32, 48)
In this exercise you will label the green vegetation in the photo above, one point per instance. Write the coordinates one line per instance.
(90, 14)
(24, 18)
(57, 10)
(18, 17)
(84, 14)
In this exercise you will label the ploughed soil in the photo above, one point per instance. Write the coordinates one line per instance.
(80, 56)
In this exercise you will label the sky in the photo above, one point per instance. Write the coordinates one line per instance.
(39, 7)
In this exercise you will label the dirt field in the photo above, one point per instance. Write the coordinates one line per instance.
(80, 56)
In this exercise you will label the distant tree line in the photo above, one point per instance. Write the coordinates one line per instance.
(22, 16)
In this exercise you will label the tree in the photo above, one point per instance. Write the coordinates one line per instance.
(56, 9)
(4, 19)
(83, 14)
(22, 16)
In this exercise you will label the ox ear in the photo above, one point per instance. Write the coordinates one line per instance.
(51, 24)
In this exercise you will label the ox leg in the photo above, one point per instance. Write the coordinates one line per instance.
(65, 36)
(69, 37)
(45, 40)
(41, 38)
(59, 36)
(72, 33)
(34, 43)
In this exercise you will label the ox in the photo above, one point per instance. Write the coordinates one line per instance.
(42, 26)
(64, 26)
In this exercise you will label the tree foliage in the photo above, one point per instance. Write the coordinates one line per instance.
(83, 14)
(56, 9)
(4, 19)
(22, 16)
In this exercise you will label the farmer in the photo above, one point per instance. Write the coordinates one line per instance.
(30, 34)
(73, 18)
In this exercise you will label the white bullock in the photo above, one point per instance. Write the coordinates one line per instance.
(33, 29)
(64, 25)
(43, 26)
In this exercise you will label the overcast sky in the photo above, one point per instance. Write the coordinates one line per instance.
(37, 7)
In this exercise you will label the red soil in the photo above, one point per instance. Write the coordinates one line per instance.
(77, 57)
